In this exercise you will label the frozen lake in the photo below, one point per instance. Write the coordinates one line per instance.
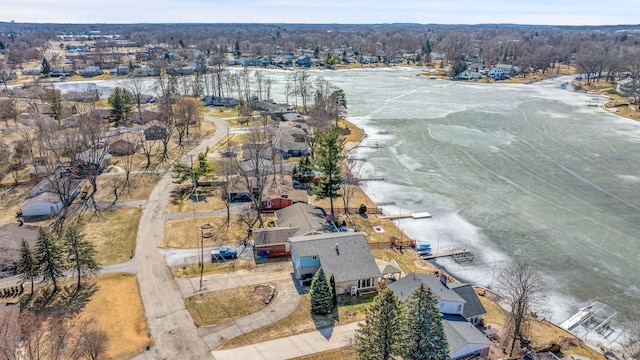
(525, 172)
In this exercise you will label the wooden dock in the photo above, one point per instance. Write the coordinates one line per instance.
(418, 215)
(460, 255)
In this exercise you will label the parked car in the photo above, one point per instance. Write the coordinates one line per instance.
(223, 254)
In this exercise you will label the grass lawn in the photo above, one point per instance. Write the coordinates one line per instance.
(301, 321)
(209, 267)
(219, 306)
(183, 233)
(11, 198)
(343, 353)
(141, 186)
(118, 310)
(408, 260)
(113, 232)
(183, 200)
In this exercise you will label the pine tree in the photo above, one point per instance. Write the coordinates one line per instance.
(321, 294)
(328, 156)
(332, 284)
(426, 338)
(46, 68)
(121, 101)
(381, 336)
(80, 253)
(50, 260)
(27, 266)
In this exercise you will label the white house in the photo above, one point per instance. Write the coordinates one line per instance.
(44, 199)
(461, 310)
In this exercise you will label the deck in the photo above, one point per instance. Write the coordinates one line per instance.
(459, 255)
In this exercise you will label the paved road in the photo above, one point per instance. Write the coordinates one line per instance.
(292, 346)
(170, 324)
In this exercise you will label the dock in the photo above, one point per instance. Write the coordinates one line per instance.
(418, 215)
(460, 255)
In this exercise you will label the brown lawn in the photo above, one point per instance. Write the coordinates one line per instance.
(113, 232)
(217, 267)
(118, 310)
(140, 187)
(219, 306)
(183, 200)
(302, 321)
(184, 233)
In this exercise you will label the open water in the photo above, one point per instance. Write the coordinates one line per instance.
(526, 172)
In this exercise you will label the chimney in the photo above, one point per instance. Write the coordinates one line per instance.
(337, 250)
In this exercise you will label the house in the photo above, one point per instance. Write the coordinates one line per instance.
(294, 149)
(91, 161)
(124, 144)
(91, 71)
(272, 242)
(283, 199)
(219, 101)
(260, 150)
(465, 75)
(303, 61)
(307, 219)
(343, 255)
(473, 310)
(154, 131)
(44, 198)
(502, 71)
(465, 340)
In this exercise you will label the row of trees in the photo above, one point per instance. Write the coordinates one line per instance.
(55, 254)
(411, 330)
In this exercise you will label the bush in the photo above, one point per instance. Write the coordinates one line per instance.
(362, 209)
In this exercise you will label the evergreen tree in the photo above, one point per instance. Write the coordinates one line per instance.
(49, 257)
(303, 172)
(46, 68)
(121, 102)
(27, 266)
(338, 104)
(321, 294)
(426, 338)
(328, 156)
(80, 253)
(332, 284)
(381, 336)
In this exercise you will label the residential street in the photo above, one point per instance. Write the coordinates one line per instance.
(170, 325)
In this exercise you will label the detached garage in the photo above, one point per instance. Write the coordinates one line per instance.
(46, 203)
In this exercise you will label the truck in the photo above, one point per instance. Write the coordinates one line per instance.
(223, 253)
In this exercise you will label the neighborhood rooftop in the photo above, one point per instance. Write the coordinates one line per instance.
(346, 255)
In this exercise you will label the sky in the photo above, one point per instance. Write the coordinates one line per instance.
(535, 12)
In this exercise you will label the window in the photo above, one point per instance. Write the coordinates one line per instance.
(364, 283)
(459, 307)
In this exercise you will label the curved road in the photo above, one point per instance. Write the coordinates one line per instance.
(170, 324)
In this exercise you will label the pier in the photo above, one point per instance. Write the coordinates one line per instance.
(460, 255)
(418, 215)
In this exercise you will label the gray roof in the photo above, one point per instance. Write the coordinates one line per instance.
(352, 260)
(473, 307)
(46, 197)
(388, 269)
(405, 286)
(460, 333)
(307, 218)
(270, 236)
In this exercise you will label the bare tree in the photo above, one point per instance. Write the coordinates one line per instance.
(90, 161)
(350, 187)
(135, 86)
(9, 332)
(256, 166)
(522, 289)
(8, 110)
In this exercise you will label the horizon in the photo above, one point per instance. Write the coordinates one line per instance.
(330, 12)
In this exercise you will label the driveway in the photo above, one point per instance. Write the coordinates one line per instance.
(293, 346)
